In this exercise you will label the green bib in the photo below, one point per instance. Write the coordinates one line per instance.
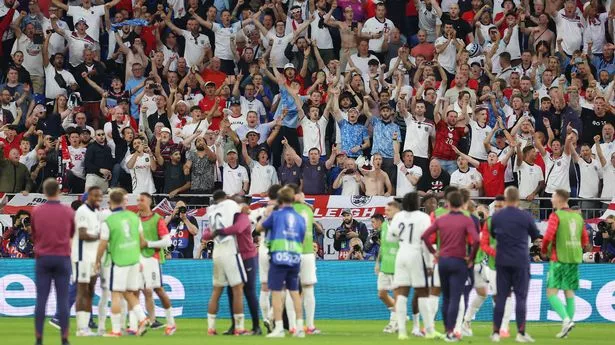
(306, 212)
(150, 233)
(568, 237)
(388, 251)
(124, 241)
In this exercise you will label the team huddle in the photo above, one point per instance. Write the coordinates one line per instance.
(453, 252)
(286, 261)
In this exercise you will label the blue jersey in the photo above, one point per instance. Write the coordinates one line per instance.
(285, 236)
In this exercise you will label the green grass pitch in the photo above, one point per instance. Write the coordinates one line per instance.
(18, 331)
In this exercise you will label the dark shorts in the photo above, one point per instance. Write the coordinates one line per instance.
(281, 277)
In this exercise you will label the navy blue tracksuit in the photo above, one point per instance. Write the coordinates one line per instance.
(511, 227)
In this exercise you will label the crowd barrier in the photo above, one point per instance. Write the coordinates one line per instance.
(346, 290)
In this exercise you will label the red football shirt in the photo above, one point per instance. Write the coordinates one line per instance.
(468, 16)
(446, 138)
(493, 178)
(8, 146)
(206, 104)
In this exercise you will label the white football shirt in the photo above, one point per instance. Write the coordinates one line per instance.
(88, 218)
(220, 216)
(407, 228)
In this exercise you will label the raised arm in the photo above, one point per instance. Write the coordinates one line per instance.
(302, 27)
(201, 21)
(258, 24)
(61, 5)
(244, 152)
(603, 161)
(296, 159)
(175, 29)
(470, 160)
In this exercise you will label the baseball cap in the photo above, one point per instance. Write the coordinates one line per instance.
(123, 100)
(12, 127)
(289, 65)
(235, 101)
(165, 129)
(346, 211)
(231, 151)
(500, 134)
(342, 153)
(253, 131)
(207, 83)
(385, 105)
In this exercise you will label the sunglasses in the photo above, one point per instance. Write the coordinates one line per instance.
(100, 134)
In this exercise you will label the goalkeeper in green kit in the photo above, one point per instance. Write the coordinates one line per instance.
(564, 242)
(121, 235)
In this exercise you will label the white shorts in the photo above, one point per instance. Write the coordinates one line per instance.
(229, 271)
(484, 277)
(411, 271)
(263, 266)
(105, 274)
(152, 276)
(83, 271)
(307, 272)
(385, 281)
(125, 278)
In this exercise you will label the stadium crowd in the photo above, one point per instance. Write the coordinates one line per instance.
(340, 97)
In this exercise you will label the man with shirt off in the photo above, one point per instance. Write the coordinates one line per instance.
(511, 226)
(564, 242)
(455, 231)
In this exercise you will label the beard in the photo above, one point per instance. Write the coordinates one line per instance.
(200, 148)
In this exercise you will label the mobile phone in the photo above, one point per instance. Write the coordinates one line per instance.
(354, 25)
(38, 39)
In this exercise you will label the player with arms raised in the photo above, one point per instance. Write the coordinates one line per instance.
(121, 234)
(407, 227)
(228, 265)
(84, 246)
(564, 242)
(156, 235)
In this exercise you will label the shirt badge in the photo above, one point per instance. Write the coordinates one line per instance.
(318, 168)
(559, 163)
(294, 173)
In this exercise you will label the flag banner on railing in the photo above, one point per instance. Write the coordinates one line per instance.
(166, 207)
(28, 202)
(610, 211)
(327, 211)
